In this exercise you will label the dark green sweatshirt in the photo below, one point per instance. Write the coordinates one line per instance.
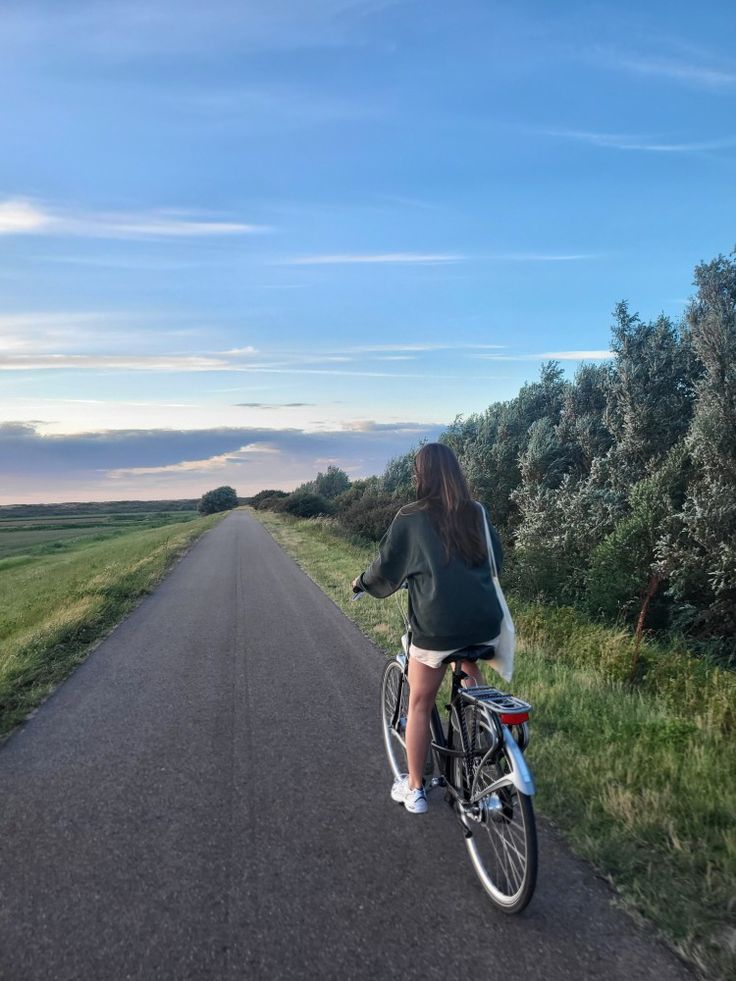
(452, 604)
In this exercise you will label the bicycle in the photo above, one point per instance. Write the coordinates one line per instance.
(478, 753)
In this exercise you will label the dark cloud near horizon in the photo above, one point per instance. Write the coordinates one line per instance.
(30, 460)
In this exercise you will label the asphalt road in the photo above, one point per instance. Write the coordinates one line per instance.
(207, 797)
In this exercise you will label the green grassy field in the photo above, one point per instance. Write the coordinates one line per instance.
(43, 535)
(640, 779)
(62, 589)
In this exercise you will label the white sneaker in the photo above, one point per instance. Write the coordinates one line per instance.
(414, 801)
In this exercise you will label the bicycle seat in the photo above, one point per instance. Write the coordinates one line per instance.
(475, 652)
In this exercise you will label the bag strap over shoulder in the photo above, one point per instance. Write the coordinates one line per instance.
(489, 543)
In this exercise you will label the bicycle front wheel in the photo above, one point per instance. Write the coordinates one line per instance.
(394, 711)
(503, 842)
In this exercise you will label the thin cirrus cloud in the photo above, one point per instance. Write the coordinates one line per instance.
(274, 405)
(693, 73)
(592, 355)
(181, 364)
(542, 256)
(415, 348)
(109, 362)
(375, 258)
(431, 258)
(125, 30)
(22, 216)
(645, 144)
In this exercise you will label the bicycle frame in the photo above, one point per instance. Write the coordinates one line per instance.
(478, 753)
(445, 750)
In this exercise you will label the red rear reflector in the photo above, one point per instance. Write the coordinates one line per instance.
(514, 718)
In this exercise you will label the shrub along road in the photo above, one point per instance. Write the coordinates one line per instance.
(207, 797)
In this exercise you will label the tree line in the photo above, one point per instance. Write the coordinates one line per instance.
(614, 492)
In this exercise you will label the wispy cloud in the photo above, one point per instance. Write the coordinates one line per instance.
(403, 201)
(134, 29)
(371, 426)
(144, 263)
(23, 216)
(542, 256)
(275, 107)
(185, 363)
(99, 341)
(28, 332)
(692, 73)
(112, 362)
(356, 258)
(24, 337)
(647, 144)
(18, 216)
(591, 355)
(419, 347)
(274, 405)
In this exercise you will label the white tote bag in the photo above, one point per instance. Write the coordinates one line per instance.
(503, 661)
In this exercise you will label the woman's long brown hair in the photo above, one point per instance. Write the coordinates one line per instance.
(443, 492)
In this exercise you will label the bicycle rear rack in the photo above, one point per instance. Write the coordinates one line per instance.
(512, 710)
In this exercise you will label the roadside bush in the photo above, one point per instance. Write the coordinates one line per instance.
(370, 515)
(267, 500)
(220, 499)
(303, 504)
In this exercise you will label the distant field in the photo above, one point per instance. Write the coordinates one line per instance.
(60, 532)
(66, 580)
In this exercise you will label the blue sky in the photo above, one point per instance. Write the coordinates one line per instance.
(241, 241)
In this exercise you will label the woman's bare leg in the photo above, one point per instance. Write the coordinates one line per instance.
(472, 670)
(424, 683)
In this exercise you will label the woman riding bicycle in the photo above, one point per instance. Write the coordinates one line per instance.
(437, 545)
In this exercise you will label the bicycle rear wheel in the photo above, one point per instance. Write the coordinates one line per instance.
(394, 691)
(503, 842)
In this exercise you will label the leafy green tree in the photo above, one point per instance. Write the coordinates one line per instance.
(397, 476)
(628, 568)
(650, 392)
(703, 555)
(546, 457)
(220, 499)
(581, 429)
(490, 445)
(557, 529)
(331, 484)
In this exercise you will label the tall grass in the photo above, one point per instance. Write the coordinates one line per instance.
(640, 774)
(53, 607)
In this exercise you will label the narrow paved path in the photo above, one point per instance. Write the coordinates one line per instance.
(206, 797)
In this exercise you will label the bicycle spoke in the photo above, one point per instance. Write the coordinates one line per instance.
(394, 688)
(503, 847)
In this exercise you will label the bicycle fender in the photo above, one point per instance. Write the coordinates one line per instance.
(521, 775)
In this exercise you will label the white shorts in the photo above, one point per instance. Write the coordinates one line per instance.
(434, 659)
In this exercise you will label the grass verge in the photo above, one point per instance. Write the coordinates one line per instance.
(641, 778)
(53, 607)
